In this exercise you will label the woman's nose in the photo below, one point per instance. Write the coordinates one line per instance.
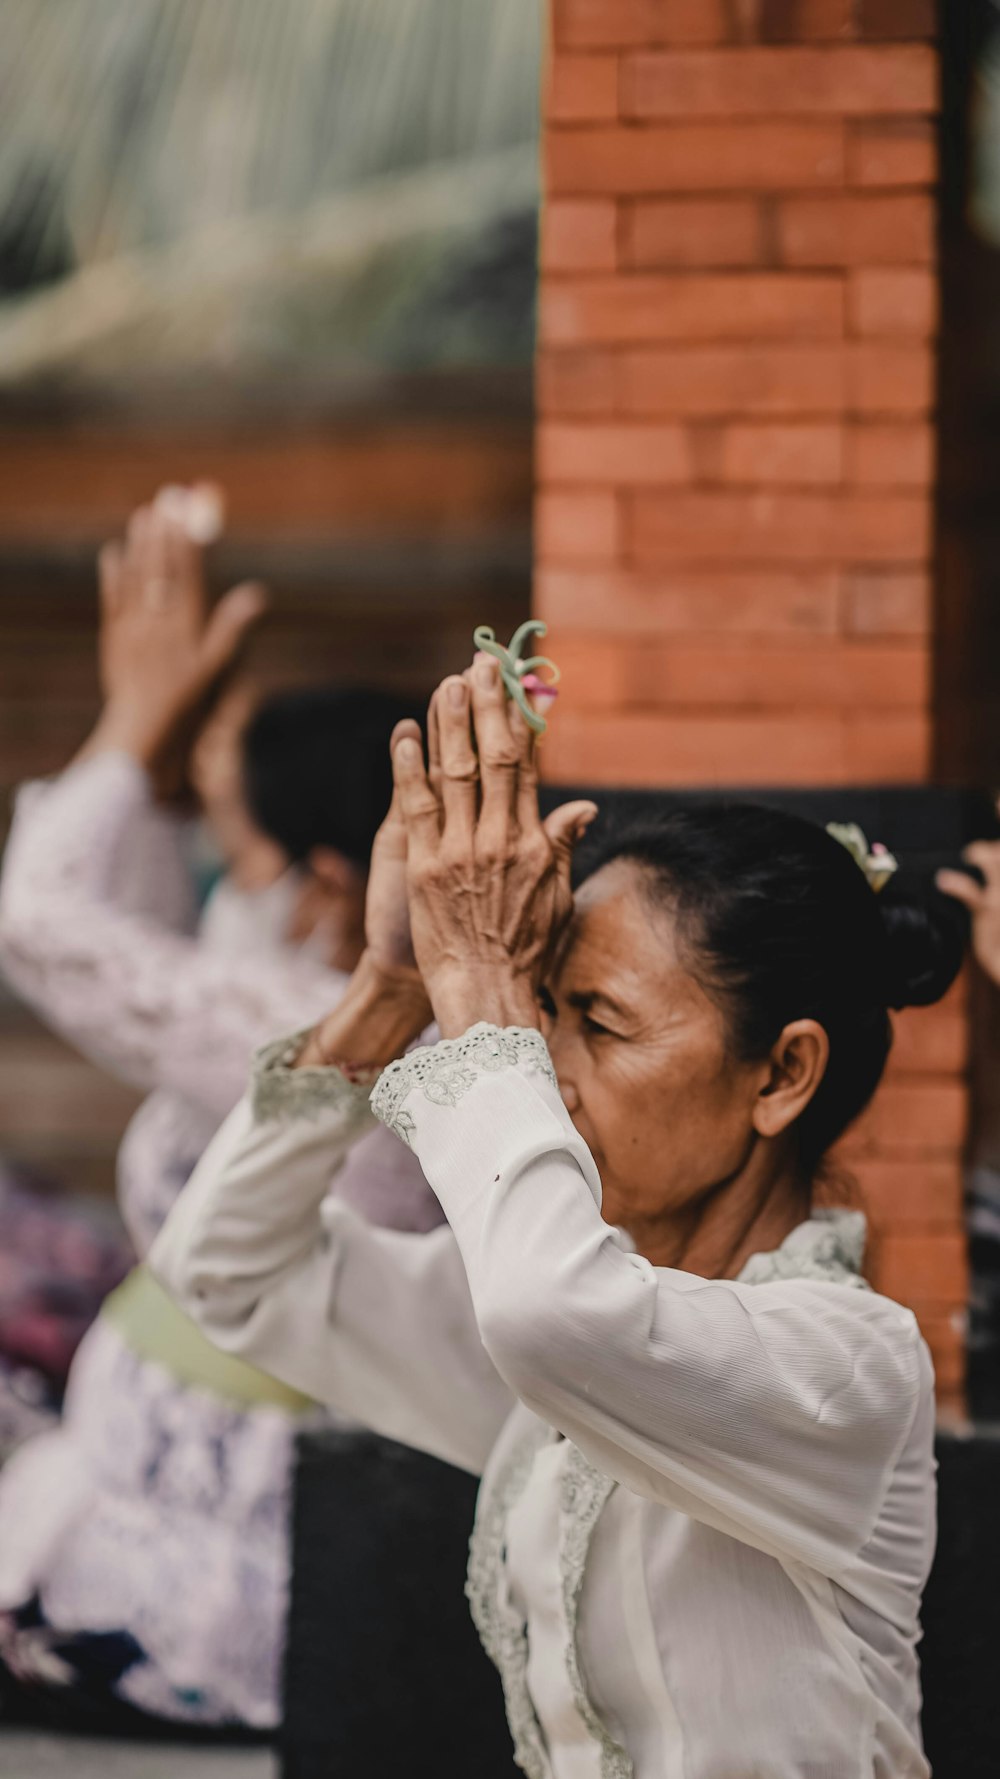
(570, 1097)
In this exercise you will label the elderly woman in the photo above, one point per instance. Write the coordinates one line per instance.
(707, 1506)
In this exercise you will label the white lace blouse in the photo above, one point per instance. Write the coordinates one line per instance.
(97, 934)
(154, 1507)
(707, 1507)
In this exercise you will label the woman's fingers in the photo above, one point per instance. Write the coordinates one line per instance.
(407, 729)
(963, 888)
(568, 824)
(434, 746)
(564, 827)
(391, 837)
(985, 855)
(134, 557)
(149, 579)
(199, 510)
(417, 802)
(498, 757)
(162, 575)
(185, 569)
(109, 579)
(458, 783)
(526, 806)
(228, 626)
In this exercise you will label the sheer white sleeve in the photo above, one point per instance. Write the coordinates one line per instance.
(376, 1323)
(142, 999)
(773, 1412)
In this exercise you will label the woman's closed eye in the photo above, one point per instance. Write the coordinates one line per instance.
(600, 1017)
(581, 1004)
(546, 1002)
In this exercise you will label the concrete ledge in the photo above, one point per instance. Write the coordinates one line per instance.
(31, 1754)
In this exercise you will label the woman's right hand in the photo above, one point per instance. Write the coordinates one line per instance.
(161, 650)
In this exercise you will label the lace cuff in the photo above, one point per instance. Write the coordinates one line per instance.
(280, 1093)
(444, 1071)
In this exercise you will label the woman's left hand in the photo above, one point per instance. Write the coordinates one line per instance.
(488, 880)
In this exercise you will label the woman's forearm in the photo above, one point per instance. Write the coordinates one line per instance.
(380, 1015)
(375, 1323)
(125, 729)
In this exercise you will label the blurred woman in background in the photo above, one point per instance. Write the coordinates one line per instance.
(144, 1541)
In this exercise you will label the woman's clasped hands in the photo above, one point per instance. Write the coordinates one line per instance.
(488, 881)
(469, 889)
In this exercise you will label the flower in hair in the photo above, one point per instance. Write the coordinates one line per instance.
(200, 510)
(519, 675)
(877, 862)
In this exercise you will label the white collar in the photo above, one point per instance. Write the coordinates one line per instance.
(829, 1246)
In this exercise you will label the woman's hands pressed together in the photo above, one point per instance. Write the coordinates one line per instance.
(488, 881)
(468, 890)
(162, 651)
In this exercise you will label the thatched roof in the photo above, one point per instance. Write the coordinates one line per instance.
(188, 184)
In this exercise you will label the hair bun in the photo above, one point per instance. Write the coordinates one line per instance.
(926, 936)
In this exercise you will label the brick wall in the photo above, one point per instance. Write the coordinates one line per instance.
(386, 529)
(735, 455)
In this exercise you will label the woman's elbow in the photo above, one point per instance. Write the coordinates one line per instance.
(198, 1285)
(18, 941)
(35, 947)
(205, 1279)
(528, 1345)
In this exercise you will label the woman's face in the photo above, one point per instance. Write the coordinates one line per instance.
(640, 1051)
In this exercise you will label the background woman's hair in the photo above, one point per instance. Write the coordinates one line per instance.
(316, 767)
(781, 924)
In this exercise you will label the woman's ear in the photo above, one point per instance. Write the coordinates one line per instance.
(797, 1065)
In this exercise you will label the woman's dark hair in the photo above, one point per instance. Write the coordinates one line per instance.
(781, 924)
(316, 767)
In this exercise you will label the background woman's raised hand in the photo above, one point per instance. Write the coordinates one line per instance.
(981, 899)
(488, 881)
(163, 650)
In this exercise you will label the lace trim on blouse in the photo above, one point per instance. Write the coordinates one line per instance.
(583, 1491)
(443, 1072)
(829, 1247)
(281, 1093)
(501, 1628)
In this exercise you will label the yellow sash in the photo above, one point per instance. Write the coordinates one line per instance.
(151, 1324)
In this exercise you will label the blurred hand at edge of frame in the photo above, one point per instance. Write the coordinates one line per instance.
(163, 653)
(981, 899)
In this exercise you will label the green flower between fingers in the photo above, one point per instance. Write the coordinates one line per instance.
(519, 675)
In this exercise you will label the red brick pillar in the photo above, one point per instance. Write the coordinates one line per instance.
(735, 454)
